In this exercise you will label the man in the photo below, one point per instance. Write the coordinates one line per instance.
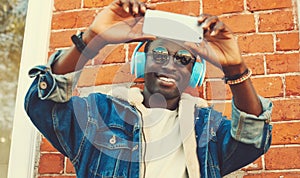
(159, 131)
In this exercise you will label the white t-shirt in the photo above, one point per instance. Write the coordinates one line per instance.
(171, 148)
(163, 154)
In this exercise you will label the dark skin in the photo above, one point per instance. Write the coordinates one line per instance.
(220, 49)
(177, 74)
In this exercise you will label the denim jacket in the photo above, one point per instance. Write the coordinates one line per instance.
(101, 134)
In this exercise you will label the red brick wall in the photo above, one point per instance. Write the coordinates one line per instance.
(268, 35)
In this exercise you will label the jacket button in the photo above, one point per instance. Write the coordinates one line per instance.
(43, 85)
(113, 140)
(212, 132)
(135, 147)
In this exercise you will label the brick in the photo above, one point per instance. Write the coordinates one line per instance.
(276, 21)
(268, 86)
(61, 39)
(197, 92)
(283, 158)
(131, 48)
(283, 63)
(183, 7)
(255, 63)
(46, 146)
(286, 133)
(77, 19)
(244, 23)
(50, 52)
(292, 85)
(111, 54)
(217, 7)
(256, 165)
(63, 20)
(287, 41)
(213, 72)
(138, 83)
(61, 5)
(223, 107)
(85, 18)
(96, 3)
(273, 175)
(254, 5)
(88, 77)
(256, 43)
(286, 110)
(69, 167)
(51, 163)
(108, 74)
(217, 90)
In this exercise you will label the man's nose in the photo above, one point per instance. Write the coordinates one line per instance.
(170, 64)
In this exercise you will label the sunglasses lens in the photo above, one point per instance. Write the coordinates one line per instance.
(183, 57)
(160, 55)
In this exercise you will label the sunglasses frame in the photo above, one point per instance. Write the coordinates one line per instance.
(165, 57)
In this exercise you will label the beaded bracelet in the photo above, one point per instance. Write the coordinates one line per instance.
(241, 78)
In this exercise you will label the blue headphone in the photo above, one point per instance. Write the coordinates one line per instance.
(138, 62)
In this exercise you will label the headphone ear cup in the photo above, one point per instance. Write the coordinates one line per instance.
(198, 74)
(139, 64)
(138, 59)
(203, 72)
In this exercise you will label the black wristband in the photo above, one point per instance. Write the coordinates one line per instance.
(82, 46)
(78, 42)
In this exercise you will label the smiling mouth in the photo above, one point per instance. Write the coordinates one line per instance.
(165, 79)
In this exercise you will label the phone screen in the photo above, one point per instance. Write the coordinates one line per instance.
(174, 26)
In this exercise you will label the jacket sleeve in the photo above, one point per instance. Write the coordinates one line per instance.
(53, 87)
(52, 110)
(245, 138)
(248, 128)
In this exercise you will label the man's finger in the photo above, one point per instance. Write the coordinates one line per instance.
(220, 26)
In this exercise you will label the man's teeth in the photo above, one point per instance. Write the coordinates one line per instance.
(167, 79)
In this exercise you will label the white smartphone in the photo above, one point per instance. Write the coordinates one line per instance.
(173, 26)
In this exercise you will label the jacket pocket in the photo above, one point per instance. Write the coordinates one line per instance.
(114, 146)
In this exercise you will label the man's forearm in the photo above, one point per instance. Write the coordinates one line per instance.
(73, 60)
(245, 98)
(244, 95)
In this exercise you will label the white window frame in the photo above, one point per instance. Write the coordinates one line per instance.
(34, 52)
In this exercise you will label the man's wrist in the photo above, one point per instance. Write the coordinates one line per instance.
(88, 43)
(82, 47)
(234, 70)
(88, 36)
